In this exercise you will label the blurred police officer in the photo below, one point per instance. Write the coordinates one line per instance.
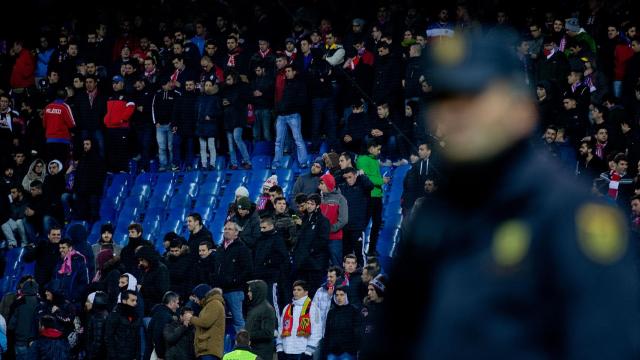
(520, 262)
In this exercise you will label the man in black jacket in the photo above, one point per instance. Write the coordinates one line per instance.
(233, 270)
(96, 325)
(204, 267)
(89, 108)
(184, 125)
(323, 107)
(123, 329)
(293, 103)
(271, 259)
(154, 280)
(311, 254)
(142, 122)
(46, 254)
(179, 265)
(89, 182)
(162, 112)
(357, 190)
(23, 321)
(128, 253)
(413, 183)
(262, 91)
(179, 336)
(198, 233)
(161, 315)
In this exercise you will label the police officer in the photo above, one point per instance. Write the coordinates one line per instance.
(510, 260)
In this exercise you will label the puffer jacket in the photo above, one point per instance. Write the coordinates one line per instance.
(179, 341)
(96, 345)
(123, 333)
(209, 324)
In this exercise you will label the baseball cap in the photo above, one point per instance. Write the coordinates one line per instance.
(117, 79)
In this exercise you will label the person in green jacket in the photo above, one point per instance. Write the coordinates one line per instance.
(370, 166)
(242, 350)
(261, 320)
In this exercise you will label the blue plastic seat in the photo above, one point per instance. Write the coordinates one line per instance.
(192, 177)
(121, 237)
(142, 190)
(180, 200)
(221, 162)
(261, 162)
(142, 179)
(107, 212)
(260, 175)
(206, 212)
(238, 177)
(262, 148)
(165, 178)
(210, 188)
(94, 234)
(286, 162)
(284, 175)
(134, 201)
(158, 201)
(392, 209)
(179, 213)
(172, 224)
(206, 200)
(214, 177)
(154, 213)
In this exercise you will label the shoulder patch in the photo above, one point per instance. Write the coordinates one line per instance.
(511, 242)
(602, 233)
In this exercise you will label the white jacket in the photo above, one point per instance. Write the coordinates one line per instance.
(295, 344)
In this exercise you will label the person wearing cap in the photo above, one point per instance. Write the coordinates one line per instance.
(357, 32)
(106, 241)
(58, 121)
(308, 183)
(120, 109)
(372, 315)
(334, 207)
(290, 49)
(247, 218)
(578, 34)
(482, 257)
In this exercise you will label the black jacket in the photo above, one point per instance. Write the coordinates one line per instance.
(52, 190)
(235, 113)
(266, 85)
(203, 270)
(413, 183)
(90, 174)
(387, 77)
(179, 341)
(261, 320)
(88, 115)
(162, 106)
(180, 270)
(357, 126)
(342, 329)
(24, 311)
(128, 255)
(270, 257)
(154, 280)
(250, 225)
(195, 239)
(312, 249)
(233, 267)
(358, 197)
(208, 106)
(46, 255)
(185, 113)
(294, 98)
(123, 333)
(96, 345)
(161, 315)
(412, 72)
(319, 79)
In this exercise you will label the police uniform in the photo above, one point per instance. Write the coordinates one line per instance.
(511, 260)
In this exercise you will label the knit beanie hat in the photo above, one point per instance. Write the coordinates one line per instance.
(271, 181)
(244, 203)
(328, 180)
(379, 284)
(106, 227)
(242, 191)
(572, 25)
(200, 291)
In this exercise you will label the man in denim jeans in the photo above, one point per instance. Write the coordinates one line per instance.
(262, 87)
(233, 269)
(162, 111)
(289, 108)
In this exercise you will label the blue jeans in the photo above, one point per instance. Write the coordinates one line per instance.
(323, 109)
(343, 356)
(335, 252)
(262, 126)
(24, 352)
(233, 300)
(294, 122)
(178, 140)
(144, 135)
(237, 138)
(164, 136)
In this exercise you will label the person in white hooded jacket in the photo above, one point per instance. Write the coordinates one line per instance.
(129, 282)
(299, 327)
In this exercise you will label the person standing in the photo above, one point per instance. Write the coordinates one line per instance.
(356, 189)
(58, 121)
(299, 328)
(334, 207)
(235, 98)
(209, 115)
(209, 324)
(123, 329)
(120, 109)
(261, 320)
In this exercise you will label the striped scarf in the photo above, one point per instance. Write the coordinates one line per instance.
(304, 322)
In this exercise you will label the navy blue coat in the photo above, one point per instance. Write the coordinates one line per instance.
(208, 105)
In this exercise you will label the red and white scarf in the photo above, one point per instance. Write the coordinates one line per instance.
(614, 183)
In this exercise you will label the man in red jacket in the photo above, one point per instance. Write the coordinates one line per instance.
(120, 109)
(22, 75)
(335, 208)
(58, 122)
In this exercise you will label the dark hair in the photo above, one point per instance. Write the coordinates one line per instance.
(169, 296)
(177, 56)
(336, 269)
(373, 142)
(176, 243)
(126, 294)
(552, 127)
(634, 197)
(16, 186)
(268, 219)
(372, 270)
(350, 256)
(61, 94)
(300, 198)
(589, 144)
(315, 198)
(303, 284)
(66, 241)
(276, 189)
(342, 288)
(243, 338)
(135, 226)
(208, 244)
(196, 217)
(169, 236)
(350, 170)
(620, 157)
(279, 198)
(290, 66)
(55, 227)
(35, 184)
(185, 309)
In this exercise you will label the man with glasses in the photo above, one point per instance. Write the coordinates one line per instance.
(535, 44)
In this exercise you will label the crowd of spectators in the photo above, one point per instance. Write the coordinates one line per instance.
(169, 91)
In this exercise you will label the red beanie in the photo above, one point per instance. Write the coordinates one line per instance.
(328, 180)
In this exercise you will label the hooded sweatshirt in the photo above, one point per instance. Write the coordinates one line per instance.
(342, 328)
(261, 320)
(31, 175)
(334, 207)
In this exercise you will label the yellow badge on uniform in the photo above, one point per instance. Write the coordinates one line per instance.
(511, 243)
(602, 233)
